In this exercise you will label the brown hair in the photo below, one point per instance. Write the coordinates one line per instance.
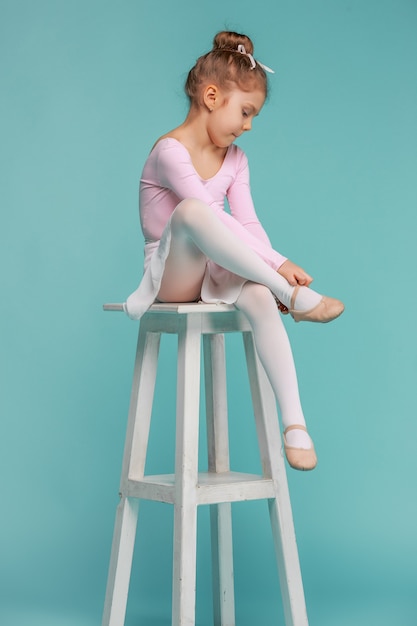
(224, 65)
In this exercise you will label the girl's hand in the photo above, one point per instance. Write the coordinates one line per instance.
(294, 274)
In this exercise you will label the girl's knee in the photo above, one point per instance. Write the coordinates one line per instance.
(258, 296)
(188, 211)
(259, 292)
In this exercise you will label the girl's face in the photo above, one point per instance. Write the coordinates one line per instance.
(232, 115)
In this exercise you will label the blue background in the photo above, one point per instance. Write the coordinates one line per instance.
(86, 88)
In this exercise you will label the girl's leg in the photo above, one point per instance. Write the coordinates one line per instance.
(184, 270)
(198, 234)
(274, 351)
(197, 231)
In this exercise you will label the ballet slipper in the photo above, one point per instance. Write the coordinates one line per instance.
(325, 311)
(299, 458)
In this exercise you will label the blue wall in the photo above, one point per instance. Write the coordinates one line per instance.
(86, 88)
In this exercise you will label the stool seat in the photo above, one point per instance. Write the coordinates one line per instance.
(179, 307)
(195, 324)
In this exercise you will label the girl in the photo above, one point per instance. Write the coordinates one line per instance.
(195, 250)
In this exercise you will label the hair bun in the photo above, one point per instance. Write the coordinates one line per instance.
(230, 64)
(229, 40)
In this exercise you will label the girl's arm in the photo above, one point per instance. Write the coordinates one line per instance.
(240, 201)
(176, 172)
(242, 208)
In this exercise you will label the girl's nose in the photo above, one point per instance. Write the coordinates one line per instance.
(247, 125)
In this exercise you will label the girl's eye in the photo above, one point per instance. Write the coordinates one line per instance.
(245, 114)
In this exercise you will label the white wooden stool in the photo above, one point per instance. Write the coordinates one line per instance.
(187, 488)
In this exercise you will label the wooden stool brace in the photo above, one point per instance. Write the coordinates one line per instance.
(187, 488)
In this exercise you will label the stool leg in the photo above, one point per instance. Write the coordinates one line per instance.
(218, 461)
(134, 458)
(186, 473)
(279, 507)
(120, 562)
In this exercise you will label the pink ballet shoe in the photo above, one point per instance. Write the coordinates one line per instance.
(300, 458)
(325, 311)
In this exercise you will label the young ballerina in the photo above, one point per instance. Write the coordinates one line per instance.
(194, 249)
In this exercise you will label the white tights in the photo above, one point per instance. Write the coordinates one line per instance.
(274, 351)
(197, 233)
(197, 229)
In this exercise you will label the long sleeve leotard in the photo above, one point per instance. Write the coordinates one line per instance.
(168, 178)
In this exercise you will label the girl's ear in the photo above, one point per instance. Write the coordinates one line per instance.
(210, 96)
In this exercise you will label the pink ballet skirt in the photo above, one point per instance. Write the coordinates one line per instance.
(219, 285)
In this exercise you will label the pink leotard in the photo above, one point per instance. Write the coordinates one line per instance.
(169, 177)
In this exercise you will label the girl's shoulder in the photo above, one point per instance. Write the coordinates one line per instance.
(167, 142)
(171, 138)
(238, 153)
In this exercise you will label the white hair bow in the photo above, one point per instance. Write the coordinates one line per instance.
(241, 48)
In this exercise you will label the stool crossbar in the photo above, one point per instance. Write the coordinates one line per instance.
(187, 488)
